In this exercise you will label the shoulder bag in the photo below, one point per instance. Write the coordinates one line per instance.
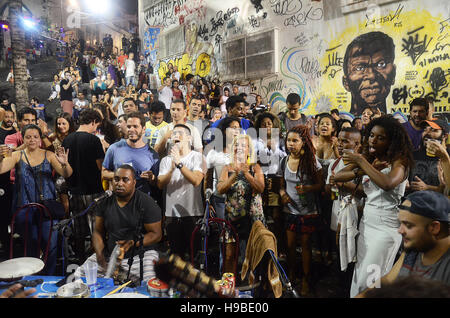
(55, 207)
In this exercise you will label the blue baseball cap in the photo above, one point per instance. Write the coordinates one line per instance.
(430, 204)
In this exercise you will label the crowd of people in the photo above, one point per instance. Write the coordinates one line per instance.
(166, 147)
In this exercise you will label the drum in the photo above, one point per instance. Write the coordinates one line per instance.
(75, 289)
(16, 268)
(157, 288)
(126, 295)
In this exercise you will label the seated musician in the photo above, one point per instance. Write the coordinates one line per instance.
(116, 221)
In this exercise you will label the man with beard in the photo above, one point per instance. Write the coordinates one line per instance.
(116, 222)
(6, 129)
(418, 112)
(369, 71)
(195, 108)
(134, 152)
(425, 174)
(178, 113)
(25, 116)
(424, 225)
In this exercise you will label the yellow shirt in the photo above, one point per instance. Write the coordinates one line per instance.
(152, 132)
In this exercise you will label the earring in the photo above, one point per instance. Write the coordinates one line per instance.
(302, 152)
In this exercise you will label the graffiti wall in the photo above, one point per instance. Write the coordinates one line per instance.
(382, 56)
(150, 42)
(389, 57)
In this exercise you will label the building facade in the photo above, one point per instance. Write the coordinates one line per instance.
(275, 47)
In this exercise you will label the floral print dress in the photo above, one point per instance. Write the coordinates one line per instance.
(241, 201)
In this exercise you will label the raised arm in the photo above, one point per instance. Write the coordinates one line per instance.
(386, 182)
(6, 164)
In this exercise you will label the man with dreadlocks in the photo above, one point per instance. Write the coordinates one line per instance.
(383, 166)
(302, 174)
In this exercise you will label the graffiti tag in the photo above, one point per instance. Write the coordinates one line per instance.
(413, 47)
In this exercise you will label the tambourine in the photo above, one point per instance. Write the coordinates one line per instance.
(16, 268)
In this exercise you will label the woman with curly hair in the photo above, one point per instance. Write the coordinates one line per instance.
(383, 168)
(302, 174)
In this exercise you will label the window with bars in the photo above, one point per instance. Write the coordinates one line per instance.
(170, 44)
(251, 56)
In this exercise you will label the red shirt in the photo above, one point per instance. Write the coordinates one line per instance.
(121, 59)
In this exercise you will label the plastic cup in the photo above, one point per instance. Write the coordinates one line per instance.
(5, 154)
(90, 268)
(429, 153)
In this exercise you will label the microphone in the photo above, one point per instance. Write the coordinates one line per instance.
(208, 194)
(2, 192)
(107, 194)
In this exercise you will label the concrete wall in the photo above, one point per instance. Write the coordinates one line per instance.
(313, 37)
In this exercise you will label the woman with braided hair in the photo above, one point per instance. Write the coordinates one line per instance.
(383, 168)
(302, 174)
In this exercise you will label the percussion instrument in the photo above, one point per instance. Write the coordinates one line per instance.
(16, 268)
(157, 288)
(76, 289)
(114, 261)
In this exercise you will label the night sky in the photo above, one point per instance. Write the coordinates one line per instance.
(131, 6)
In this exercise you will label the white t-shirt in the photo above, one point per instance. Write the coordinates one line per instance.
(182, 198)
(217, 160)
(177, 75)
(223, 107)
(337, 203)
(165, 96)
(269, 159)
(197, 139)
(80, 104)
(130, 68)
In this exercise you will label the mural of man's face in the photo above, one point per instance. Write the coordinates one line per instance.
(369, 79)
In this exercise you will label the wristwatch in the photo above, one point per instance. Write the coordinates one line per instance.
(179, 165)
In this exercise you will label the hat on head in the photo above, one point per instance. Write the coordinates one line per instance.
(438, 124)
(430, 204)
(141, 91)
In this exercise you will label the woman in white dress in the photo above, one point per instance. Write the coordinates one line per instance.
(383, 167)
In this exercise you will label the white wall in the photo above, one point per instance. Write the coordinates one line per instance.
(313, 36)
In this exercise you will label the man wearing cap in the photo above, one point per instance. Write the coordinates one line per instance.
(142, 101)
(424, 225)
(418, 112)
(425, 174)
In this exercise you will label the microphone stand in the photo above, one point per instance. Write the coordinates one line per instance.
(63, 228)
(138, 237)
(204, 232)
